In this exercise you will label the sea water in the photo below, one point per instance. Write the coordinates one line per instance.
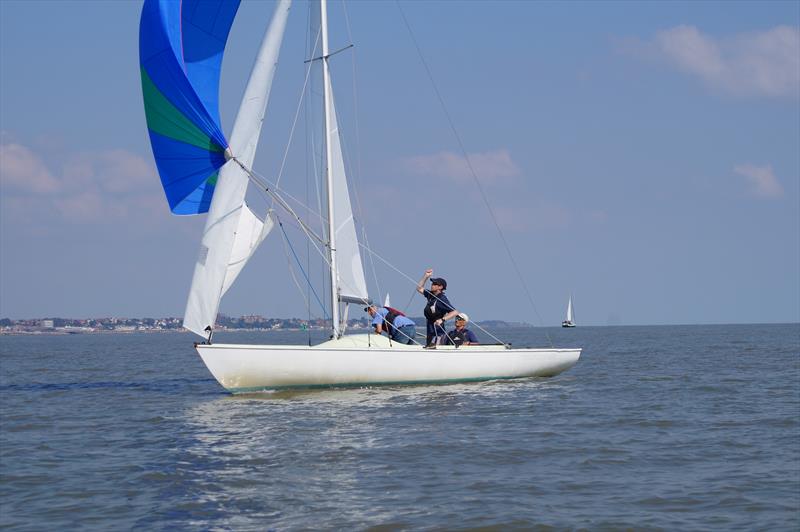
(684, 427)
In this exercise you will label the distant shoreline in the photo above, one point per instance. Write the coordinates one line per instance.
(493, 324)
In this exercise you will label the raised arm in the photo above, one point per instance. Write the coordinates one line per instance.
(425, 277)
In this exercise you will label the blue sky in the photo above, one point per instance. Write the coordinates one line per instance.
(644, 157)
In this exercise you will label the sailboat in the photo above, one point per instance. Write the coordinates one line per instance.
(570, 321)
(181, 48)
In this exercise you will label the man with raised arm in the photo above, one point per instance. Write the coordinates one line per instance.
(438, 308)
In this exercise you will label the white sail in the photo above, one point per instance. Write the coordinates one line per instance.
(227, 208)
(569, 310)
(250, 233)
(350, 269)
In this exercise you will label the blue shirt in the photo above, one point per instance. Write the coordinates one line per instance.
(399, 321)
(465, 334)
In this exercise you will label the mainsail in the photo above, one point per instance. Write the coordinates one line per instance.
(230, 224)
(180, 54)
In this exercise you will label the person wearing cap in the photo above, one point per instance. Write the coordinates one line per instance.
(438, 308)
(460, 335)
(397, 326)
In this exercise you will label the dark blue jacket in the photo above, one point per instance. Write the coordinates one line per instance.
(437, 306)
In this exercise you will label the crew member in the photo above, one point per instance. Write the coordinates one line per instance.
(396, 325)
(438, 308)
(461, 335)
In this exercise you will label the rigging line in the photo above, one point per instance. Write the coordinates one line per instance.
(319, 251)
(416, 282)
(472, 170)
(266, 183)
(372, 266)
(410, 299)
(296, 117)
(358, 148)
(314, 154)
(307, 230)
(310, 149)
(267, 187)
(389, 326)
(294, 277)
(286, 239)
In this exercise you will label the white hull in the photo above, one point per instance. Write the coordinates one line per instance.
(359, 360)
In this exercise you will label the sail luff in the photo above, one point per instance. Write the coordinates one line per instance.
(227, 205)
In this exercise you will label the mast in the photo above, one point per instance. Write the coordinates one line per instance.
(323, 6)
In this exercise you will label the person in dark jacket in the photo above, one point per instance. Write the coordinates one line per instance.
(438, 308)
(461, 335)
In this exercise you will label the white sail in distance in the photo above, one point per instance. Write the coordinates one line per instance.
(350, 269)
(229, 219)
(569, 310)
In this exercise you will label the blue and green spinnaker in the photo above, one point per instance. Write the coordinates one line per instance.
(181, 43)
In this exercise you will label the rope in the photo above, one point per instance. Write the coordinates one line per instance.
(260, 181)
(472, 170)
(358, 149)
(308, 281)
(296, 115)
(415, 283)
(309, 234)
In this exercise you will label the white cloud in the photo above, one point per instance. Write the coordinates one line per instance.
(490, 166)
(109, 185)
(114, 171)
(24, 171)
(763, 63)
(762, 179)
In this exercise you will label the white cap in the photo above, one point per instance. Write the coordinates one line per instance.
(462, 316)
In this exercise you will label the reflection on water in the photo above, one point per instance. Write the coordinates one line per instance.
(660, 427)
(342, 443)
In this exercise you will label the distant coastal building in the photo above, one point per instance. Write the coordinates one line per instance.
(127, 325)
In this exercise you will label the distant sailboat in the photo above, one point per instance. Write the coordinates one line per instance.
(570, 321)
